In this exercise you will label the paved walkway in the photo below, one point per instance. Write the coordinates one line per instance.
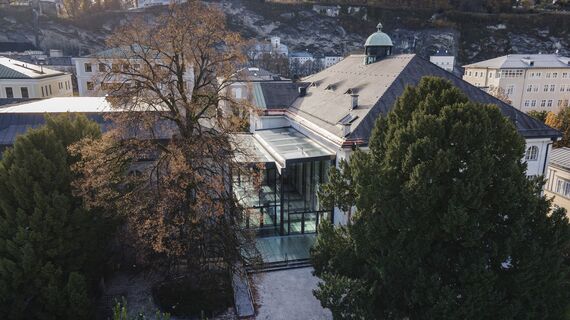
(287, 294)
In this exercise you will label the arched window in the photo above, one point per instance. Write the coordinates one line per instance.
(531, 153)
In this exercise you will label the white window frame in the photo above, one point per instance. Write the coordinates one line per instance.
(531, 153)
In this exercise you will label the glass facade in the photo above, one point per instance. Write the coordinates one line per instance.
(283, 203)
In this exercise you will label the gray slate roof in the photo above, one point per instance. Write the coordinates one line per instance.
(520, 61)
(560, 157)
(379, 85)
(276, 95)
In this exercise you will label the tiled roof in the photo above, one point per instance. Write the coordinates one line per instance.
(378, 86)
(522, 61)
(279, 95)
(560, 157)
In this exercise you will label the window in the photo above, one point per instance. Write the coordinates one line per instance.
(565, 104)
(536, 88)
(552, 87)
(50, 90)
(545, 88)
(560, 103)
(102, 67)
(24, 92)
(548, 75)
(88, 67)
(555, 75)
(562, 87)
(43, 91)
(510, 90)
(531, 153)
(549, 104)
(527, 103)
(533, 103)
(567, 88)
(563, 187)
(115, 67)
(470, 73)
(543, 103)
(9, 93)
(90, 85)
(564, 75)
(529, 88)
(510, 73)
(476, 73)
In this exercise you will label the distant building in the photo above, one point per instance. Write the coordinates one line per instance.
(443, 59)
(300, 57)
(9, 48)
(558, 178)
(153, 3)
(331, 59)
(331, 11)
(21, 80)
(273, 47)
(531, 81)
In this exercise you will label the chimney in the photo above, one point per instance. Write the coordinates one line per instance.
(354, 102)
(346, 129)
(302, 91)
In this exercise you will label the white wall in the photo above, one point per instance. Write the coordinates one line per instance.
(537, 167)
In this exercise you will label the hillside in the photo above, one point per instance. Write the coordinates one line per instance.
(471, 36)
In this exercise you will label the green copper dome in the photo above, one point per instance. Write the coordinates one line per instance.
(378, 38)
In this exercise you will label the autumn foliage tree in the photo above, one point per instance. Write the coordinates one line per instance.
(448, 226)
(166, 165)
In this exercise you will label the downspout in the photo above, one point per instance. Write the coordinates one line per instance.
(546, 156)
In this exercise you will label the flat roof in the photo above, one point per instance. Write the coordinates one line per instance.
(62, 105)
(287, 145)
(521, 61)
(248, 149)
(14, 69)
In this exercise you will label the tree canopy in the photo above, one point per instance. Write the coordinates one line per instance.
(447, 226)
(50, 246)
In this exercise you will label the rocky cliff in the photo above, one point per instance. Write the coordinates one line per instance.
(341, 29)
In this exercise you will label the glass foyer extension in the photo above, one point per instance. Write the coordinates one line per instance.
(280, 190)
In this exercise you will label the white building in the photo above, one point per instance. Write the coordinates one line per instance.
(273, 47)
(21, 80)
(300, 57)
(335, 112)
(330, 60)
(531, 81)
(443, 59)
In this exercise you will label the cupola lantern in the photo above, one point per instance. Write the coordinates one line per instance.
(377, 46)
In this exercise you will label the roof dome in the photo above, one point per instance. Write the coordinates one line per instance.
(378, 38)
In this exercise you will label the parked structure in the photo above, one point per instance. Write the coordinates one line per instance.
(531, 81)
(21, 80)
(558, 178)
(443, 59)
(335, 111)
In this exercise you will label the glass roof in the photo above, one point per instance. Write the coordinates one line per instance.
(287, 145)
(248, 150)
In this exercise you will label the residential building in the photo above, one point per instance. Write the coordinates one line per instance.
(332, 113)
(531, 81)
(331, 59)
(443, 59)
(300, 58)
(21, 80)
(92, 69)
(558, 178)
(271, 47)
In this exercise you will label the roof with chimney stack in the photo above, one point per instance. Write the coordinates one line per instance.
(328, 100)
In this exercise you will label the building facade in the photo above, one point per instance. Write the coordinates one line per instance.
(21, 80)
(443, 59)
(335, 111)
(558, 178)
(531, 82)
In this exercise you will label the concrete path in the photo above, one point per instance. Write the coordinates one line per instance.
(287, 294)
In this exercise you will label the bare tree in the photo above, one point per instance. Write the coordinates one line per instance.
(167, 164)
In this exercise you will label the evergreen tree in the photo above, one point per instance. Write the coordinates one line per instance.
(447, 226)
(49, 244)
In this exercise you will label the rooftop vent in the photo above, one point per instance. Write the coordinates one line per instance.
(330, 87)
(302, 91)
(353, 101)
(528, 61)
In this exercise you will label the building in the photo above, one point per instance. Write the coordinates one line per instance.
(273, 47)
(443, 59)
(296, 141)
(330, 60)
(300, 58)
(531, 81)
(21, 80)
(558, 178)
(91, 70)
